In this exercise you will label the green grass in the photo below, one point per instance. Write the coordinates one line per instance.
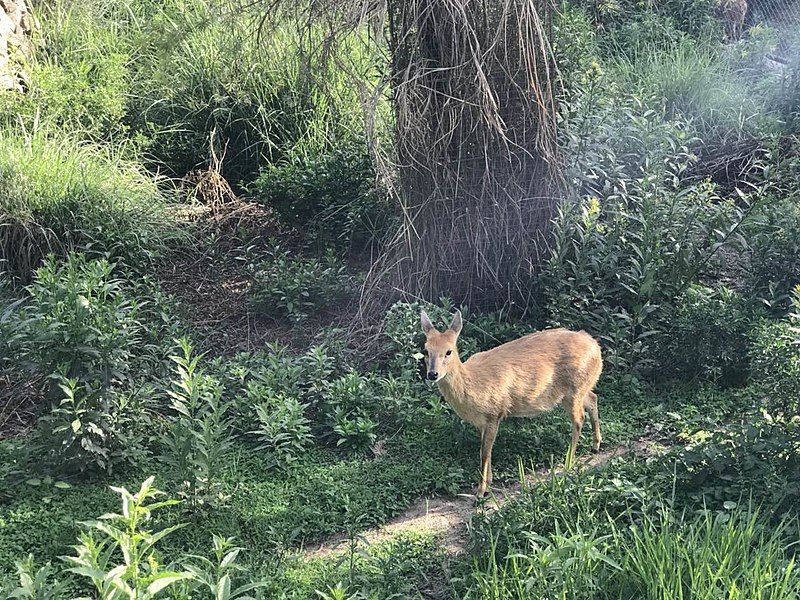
(693, 79)
(666, 555)
(328, 492)
(58, 194)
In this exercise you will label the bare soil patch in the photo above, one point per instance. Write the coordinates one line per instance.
(447, 518)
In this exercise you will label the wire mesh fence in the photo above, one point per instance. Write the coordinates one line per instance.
(783, 18)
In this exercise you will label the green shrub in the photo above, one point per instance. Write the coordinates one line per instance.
(78, 77)
(347, 405)
(201, 429)
(58, 195)
(35, 584)
(695, 17)
(140, 574)
(707, 335)
(775, 361)
(756, 461)
(79, 336)
(639, 236)
(79, 321)
(574, 45)
(773, 252)
(283, 429)
(143, 574)
(90, 428)
(331, 195)
(219, 577)
(295, 287)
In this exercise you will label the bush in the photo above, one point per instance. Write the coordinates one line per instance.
(283, 429)
(775, 361)
(695, 18)
(756, 461)
(574, 46)
(331, 195)
(79, 336)
(142, 572)
(35, 584)
(78, 321)
(201, 429)
(348, 402)
(290, 286)
(91, 428)
(58, 195)
(78, 77)
(773, 253)
(706, 336)
(640, 235)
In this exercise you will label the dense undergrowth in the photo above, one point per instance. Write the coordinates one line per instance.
(678, 246)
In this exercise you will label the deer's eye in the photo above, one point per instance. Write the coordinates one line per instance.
(448, 353)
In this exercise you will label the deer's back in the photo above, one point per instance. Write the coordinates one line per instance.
(534, 373)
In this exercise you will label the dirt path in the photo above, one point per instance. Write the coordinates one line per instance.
(447, 518)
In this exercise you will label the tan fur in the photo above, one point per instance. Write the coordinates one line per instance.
(522, 378)
(732, 14)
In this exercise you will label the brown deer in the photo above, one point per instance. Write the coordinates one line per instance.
(522, 378)
(732, 14)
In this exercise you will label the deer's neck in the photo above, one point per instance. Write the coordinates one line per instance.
(453, 386)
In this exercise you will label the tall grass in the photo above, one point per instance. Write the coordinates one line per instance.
(58, 194)
(204, 69)
(694, 80)
(78, 76)
(702, 557)
(170, 75)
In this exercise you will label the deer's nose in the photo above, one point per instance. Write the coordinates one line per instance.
(433, 375)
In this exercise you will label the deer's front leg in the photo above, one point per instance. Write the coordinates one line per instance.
(488, 435)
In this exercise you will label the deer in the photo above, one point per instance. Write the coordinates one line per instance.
(525, 377)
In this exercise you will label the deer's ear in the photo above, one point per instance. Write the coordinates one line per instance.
(425, 320)
(457, 323)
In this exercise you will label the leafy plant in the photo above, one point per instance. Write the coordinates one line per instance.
(773, 235)
(78, 321)
(757, 460)
(90, 428)
(201, 428)
(775, 360)
(294, 287)
(706, 335)
(347, 401)
(217, 577)
(284, 431)
(35, 584)
(639, 237)
(139, 576)
(354, 429)
(331, 193)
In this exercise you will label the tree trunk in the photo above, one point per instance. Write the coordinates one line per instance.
(475, 106)
(15, 28)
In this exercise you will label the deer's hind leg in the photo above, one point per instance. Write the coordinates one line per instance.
(576, 411)
(590, 403)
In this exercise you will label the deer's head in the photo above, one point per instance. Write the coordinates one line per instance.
(440, 346)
